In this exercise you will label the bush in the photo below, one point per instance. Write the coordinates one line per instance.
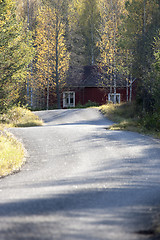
(151, 121)
(91, 104)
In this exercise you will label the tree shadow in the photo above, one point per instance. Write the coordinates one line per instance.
(54, 216)
(72, 117)
(120, 195)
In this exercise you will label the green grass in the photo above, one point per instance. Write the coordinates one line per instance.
(127, 117)
(87, 105)
(12, 153)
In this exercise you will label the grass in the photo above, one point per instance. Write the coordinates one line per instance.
(126, 117)
(87, 105)
(19, 117)
(12, 153)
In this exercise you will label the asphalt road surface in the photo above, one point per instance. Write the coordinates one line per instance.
(82, 181)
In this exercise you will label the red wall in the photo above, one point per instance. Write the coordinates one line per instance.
(90, 94)
(99, 95)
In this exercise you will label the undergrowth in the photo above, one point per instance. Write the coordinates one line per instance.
(87, 105)
(127, 117)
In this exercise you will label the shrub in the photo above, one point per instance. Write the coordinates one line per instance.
(151, 121)
(91, 104)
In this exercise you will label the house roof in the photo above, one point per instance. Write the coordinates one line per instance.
(92, 77)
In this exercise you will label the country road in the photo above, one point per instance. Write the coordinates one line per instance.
(82, 181)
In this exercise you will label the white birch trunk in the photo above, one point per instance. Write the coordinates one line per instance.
(130, 94)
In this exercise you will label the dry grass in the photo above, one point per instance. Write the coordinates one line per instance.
(11, 150)
(126, 117)
(11, 154)
(20, 117)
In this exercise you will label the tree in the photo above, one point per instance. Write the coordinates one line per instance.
(142, 23)
(89, 24)
(111, 12)
(156, 71)
(15, 53)
(27, 10)
(52, 57)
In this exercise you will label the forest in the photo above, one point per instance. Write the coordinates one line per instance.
(45, 42)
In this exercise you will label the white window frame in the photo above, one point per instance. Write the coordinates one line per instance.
(69, 103)
(111, 97)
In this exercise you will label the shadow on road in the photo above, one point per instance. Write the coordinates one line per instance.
(117, 196)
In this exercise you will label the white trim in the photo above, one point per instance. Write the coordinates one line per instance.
(111, 97)
(68, 99)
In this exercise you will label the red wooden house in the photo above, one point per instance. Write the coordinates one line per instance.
(90, 88)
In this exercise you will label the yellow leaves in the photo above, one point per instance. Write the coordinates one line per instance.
(46, 43)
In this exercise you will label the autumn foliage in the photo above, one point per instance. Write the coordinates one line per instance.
(43, 44)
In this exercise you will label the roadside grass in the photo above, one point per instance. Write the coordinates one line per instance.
(12, 153)
(19, 117)
(89, 104)
(126, 117)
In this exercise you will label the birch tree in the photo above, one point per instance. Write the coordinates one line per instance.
(111, 12)
(27, 10)
(52, 56)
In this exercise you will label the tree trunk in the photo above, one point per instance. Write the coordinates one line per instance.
(114, 54)
(28, 65)
(130, 94)
(57, 64)
(127, 90)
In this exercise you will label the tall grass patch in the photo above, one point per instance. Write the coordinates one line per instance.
(120, 112)
(11, 154)
(20, 117)
(127, 117)
(124, 115)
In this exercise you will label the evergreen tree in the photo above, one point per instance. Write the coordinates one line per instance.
(15, 53)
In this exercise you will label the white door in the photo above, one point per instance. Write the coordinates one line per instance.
(68, 99)
(111, 97)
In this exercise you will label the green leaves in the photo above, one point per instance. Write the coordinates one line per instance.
(15, 54)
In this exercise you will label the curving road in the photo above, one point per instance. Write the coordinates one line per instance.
(82, 181)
